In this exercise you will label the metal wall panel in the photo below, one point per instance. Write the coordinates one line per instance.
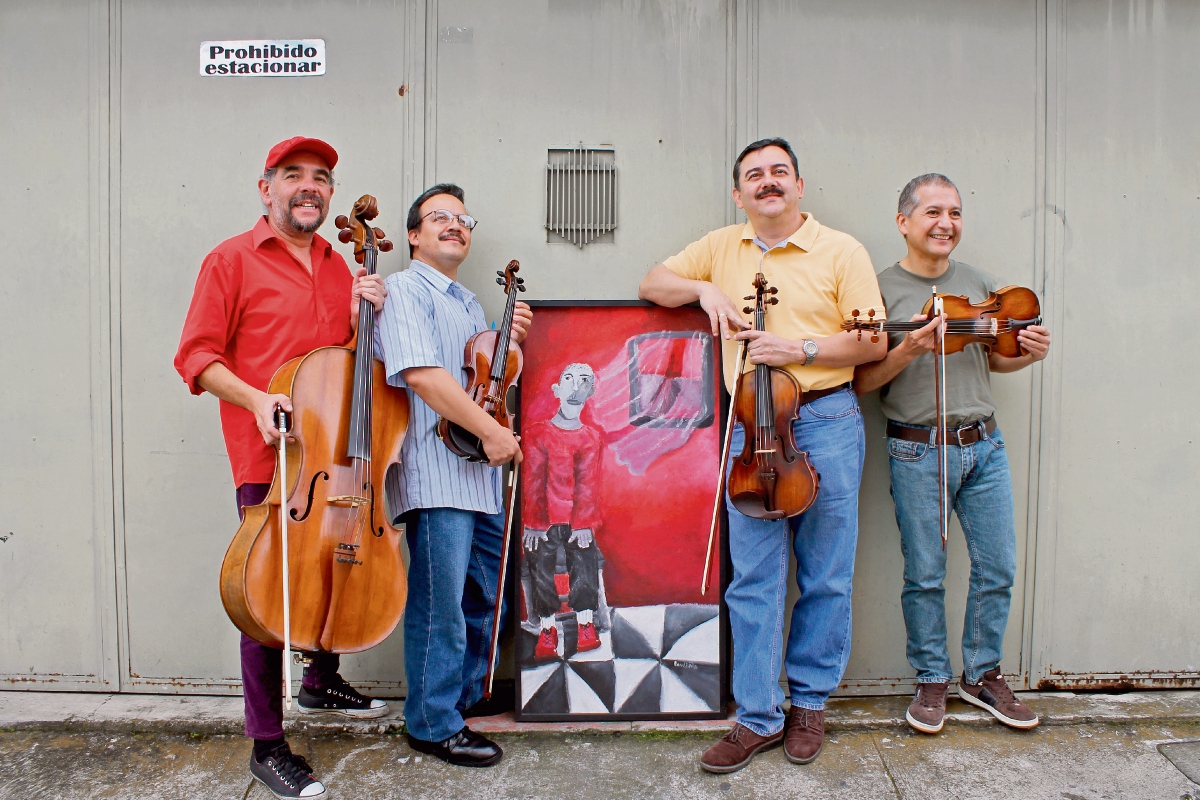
(57, 612)
(872, 95)
(193, 148)
(646, 79)
(1121, 590)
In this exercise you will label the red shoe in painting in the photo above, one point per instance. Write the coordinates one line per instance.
(547, 645)
(587, 639)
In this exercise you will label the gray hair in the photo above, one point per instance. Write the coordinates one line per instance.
(578, 366)
(269, 175)
(908, 197)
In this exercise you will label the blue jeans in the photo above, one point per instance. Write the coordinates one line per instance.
(830, 429)
(454, 564)
(980, 491)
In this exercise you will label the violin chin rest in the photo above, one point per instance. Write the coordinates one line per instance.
(751, 504)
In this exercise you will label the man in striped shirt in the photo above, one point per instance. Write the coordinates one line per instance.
(453, 509)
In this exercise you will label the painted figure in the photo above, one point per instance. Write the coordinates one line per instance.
(562, 476)
(822, 276)
(980, 486)
(262, 298)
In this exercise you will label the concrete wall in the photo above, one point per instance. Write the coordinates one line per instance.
(1069, 126)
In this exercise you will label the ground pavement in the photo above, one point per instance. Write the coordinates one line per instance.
(1090, 747)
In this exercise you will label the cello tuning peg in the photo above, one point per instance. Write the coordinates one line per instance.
(874, 337)
(379, 234)
(521, 286)
(773, 301)
(344, 235)
(385, 246)
(748, 310)
(500, 281)
(854, 313)
(500, 272)
(341, 222)
(751, 297)
(773, 290)
(871, 313)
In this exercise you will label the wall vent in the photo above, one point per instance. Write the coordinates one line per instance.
(581, 195)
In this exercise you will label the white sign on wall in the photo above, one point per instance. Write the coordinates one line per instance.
(272, 58)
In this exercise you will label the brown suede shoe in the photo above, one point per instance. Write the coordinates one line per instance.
(805, 735)
(736, 748)
(993, 695)
(927, 711)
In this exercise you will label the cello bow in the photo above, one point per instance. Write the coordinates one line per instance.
(497, 611)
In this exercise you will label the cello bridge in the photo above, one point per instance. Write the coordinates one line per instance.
(348, 500)
(345, 553)
(765, 452)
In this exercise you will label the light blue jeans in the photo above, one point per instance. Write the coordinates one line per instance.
(454, 564)
(823, 538)
(980, 489)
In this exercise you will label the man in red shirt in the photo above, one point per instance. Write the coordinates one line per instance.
(562, 478)
(264, 297)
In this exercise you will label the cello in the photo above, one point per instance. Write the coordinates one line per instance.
(771, 478)
(317, 565)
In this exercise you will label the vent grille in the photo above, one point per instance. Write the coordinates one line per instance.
(581, 196)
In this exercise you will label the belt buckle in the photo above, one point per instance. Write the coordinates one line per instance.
(959, 432)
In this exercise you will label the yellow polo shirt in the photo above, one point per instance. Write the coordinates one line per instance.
(822, 276)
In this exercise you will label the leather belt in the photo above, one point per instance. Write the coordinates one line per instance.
(961, 436)
(817, 394)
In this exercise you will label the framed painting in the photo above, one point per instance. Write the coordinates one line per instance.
(619, 409)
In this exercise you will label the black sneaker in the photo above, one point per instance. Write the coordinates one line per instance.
(341, 698)
(286, 774)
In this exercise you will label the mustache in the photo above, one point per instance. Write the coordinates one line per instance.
(453, 235)
(308, 197)
(767, 191)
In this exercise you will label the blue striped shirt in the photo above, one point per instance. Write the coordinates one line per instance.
(426, 322)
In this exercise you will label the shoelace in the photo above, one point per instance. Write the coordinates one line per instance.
(807, 718)
(734, 734)
(932, 695)
(291, 768)
(999, 687)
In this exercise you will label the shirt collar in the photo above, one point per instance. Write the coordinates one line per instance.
(440, 280)
(262, 233)
(804, 237)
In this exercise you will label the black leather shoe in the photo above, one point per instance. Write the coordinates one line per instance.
(464, 749)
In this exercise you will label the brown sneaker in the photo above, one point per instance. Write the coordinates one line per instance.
(805, 735)
(993, 695)
(927, 711)
(736, 748)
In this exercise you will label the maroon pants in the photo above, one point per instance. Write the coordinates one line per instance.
(262, 666)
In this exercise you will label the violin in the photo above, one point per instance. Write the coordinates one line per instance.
(771, 478)
(317, 565)
(992, 323)
(493, 363)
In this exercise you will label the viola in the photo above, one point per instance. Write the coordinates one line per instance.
(992, 323)
(771, 478)
(493, 362)
(317, 565)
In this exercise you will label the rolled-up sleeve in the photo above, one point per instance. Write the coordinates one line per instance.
(210, 320)
(406, 330)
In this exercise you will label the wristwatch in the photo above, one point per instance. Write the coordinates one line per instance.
(810, 351)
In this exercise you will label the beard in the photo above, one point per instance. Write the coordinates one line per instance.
(305, 227)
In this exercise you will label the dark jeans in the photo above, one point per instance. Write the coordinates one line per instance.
(583, 565)
(262, 666)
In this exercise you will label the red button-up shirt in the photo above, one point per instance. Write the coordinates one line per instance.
(256, 307)
(562, 476)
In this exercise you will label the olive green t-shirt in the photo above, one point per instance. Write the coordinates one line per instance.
(909, 396)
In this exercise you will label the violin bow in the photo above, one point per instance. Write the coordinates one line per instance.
(281, 424)
(716, 515)
(506, 545)
(939, 437)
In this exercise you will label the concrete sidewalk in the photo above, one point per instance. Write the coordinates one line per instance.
(209, 715)
(149, 747)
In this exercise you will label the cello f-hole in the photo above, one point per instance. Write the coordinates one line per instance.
(312, 487)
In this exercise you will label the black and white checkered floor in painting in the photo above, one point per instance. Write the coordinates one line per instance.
(653, 660)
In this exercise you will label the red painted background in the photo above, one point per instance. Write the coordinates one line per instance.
(654, 525)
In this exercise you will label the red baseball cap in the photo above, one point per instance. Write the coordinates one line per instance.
(289, 146)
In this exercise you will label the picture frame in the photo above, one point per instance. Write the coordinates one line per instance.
(619, 410)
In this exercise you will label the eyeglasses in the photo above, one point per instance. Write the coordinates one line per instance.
(443, 217)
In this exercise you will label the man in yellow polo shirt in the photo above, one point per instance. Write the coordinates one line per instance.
(822, 276)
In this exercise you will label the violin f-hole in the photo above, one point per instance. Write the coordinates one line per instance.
(312, 487)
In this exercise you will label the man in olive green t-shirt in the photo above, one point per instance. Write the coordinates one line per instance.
(978, 479)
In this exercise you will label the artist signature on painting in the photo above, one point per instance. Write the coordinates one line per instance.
(685, 665)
